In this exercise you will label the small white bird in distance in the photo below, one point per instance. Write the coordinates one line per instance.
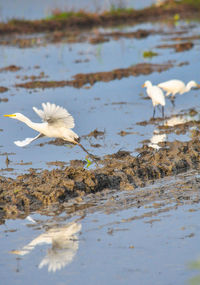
(156, 95)
(174, 86)
(57, 123)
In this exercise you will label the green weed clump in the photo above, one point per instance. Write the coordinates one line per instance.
(18, 22)
(149, 54)
(117, 10)
(58, 15)
(195, 3)
(61, 15)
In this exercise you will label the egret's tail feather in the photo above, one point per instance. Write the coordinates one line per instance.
(27, 141)
(24, 142)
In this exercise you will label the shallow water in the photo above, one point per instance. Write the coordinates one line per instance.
(118, 243)
(120, 101)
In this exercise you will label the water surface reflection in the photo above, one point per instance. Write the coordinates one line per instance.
(64, 243)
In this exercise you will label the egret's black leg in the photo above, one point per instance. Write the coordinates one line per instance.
(154, 111)
(93, 157)
(172, 99)
(163, 115)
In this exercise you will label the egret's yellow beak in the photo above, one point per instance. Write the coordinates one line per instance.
(11, 115)
(143, 85)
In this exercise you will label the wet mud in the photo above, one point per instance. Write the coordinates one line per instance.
(93, 36)
(12, 68)
(105, 37)
(160, 197)
(84, 20)
(3, 89)
(81, 79)
(37, 190)
(178, 47)
(96, 134)
(119, 171)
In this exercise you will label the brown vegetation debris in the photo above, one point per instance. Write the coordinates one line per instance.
(178, 47)
(109, 18)
(82, 79)
(3, 89)
(30, 192)
(12, 68)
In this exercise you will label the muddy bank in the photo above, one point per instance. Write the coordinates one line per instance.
(93, 36)
(12, 68)
(81, 20)
(120, 171)
(105, 37)
(91, 78)
(160, 197)
(3, 89)
(178, 47)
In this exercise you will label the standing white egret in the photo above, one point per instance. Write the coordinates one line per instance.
(156, 95)
(174, 86)
(57, 123)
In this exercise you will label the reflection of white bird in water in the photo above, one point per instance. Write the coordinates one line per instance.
(57, 123)
(156, 139)
(174, 86)
(64, 246)
(156, 95)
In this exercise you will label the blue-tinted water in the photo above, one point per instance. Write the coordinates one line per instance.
(119, 245)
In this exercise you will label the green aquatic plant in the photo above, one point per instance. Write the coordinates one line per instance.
(16, 191)
(172, 3)
(88, 162)
(118, 7)
(176, 17)
(117, 10)
(195, 3)
(99, 53)
(64, 15)
(195, 265)
(18, 22)
(149, 54)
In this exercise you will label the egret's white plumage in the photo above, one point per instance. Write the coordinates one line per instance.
(57, 123)
(27, 141)
(174, 86)
(156, 95)
(55, 115)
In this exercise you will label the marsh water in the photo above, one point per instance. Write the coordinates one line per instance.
(109, 240)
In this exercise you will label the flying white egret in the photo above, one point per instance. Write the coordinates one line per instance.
(156, 95)
(57, 123)
(174, 86)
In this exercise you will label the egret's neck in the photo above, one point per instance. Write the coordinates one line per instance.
(149, 85)
(149, 90)
(29, 123)
(188, 87)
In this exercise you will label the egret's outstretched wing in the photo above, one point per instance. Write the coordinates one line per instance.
(55, 115)
(27, 140)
